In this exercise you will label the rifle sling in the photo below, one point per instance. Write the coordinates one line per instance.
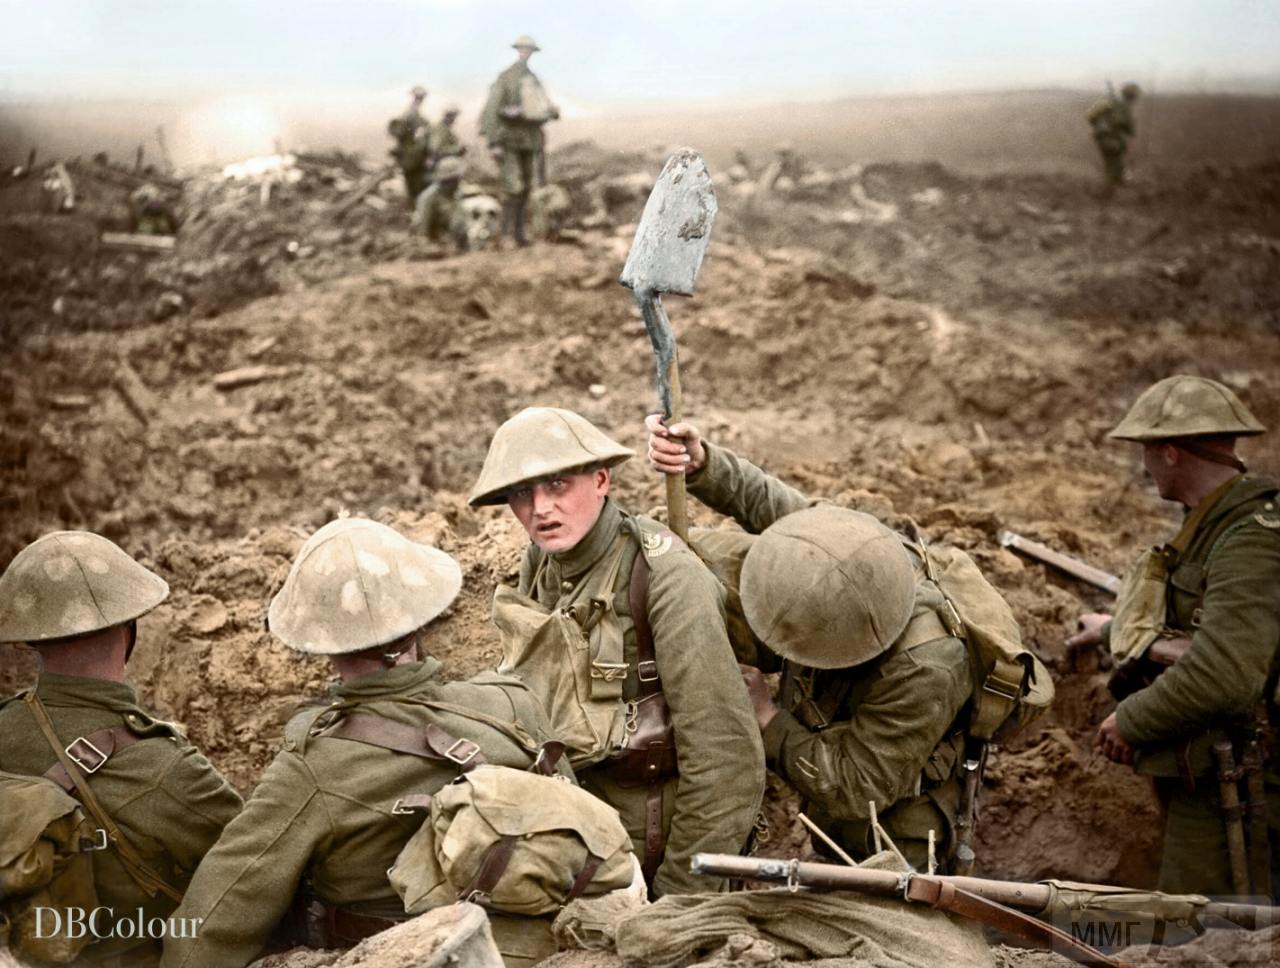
(954, 900)
(132, 861)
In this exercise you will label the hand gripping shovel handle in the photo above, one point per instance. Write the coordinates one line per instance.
(677, 502)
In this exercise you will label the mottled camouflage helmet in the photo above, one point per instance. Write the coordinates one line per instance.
(417, 91)
(73, 583)
(1186, 406)
(356, 584)
(537, 442)
(524, 41)
(828, 587)
(450, 168)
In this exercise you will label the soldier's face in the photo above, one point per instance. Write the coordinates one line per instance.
(524, 53)
(557, 512)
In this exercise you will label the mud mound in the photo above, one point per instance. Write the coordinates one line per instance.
(949, 356)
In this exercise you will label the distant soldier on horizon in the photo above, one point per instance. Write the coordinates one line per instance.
(1111, 119)
(444, 139)
(412, 135)
(511, 124)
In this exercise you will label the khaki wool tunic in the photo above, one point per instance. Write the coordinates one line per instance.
(167, 799)
(711, 806)
(322, 812)
(512, 134)
(1224, 593)
(895, 735)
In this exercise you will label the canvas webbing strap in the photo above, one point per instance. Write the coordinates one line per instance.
(428, 742)
(655, 841)
(138, 869)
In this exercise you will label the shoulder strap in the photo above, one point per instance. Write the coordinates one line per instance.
(638, 599)
(138, 869)
(428, 742)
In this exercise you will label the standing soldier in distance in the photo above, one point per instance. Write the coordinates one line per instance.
(444, 139)
(1111, 119)
(412, 146)
(1209, 600)
(75, 598)
(511, 125)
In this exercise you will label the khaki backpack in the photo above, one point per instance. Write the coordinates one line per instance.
(516, 842)
(1011, 686)
(45, 862)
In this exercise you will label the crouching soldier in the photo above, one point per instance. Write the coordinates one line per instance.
(154, 803)
(327, 819)
(877, 639)
(620, 630)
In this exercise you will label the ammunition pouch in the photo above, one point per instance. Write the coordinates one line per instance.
(648, 751)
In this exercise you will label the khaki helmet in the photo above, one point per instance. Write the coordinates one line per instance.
(828, 587)
(537, 442)
(73, 583)
(1130, 91)
(525, 41)
(417, 91)
(356, 584)
(450, 167)
(451, 108)
(1186, 406)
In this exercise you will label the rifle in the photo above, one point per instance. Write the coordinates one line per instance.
(1047, 899)
(1063, 562)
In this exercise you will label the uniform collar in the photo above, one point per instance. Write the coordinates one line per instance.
(403, 679)
(59, 690)
(1230, 495)
(593, 546)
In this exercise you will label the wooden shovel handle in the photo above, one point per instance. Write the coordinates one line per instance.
(677, 503)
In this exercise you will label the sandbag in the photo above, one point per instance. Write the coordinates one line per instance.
(556, 829)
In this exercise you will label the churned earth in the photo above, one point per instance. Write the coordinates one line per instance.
(945, 348)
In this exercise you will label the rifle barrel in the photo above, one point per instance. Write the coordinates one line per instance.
(1031, 898)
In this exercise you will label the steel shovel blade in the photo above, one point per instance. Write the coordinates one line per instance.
(674, 230)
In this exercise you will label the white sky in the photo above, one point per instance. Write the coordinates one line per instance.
(598, 53)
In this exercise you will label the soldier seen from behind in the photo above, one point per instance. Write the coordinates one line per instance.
(325, 822)
(1196, 639)
(155, 803)
(511, 125)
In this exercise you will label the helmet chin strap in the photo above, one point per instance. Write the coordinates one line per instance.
(1197, 449)
(389, 658)
(133, 640)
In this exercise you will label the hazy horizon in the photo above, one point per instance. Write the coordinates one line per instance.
(235, 78)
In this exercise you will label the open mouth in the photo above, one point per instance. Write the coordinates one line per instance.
(548, 529)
